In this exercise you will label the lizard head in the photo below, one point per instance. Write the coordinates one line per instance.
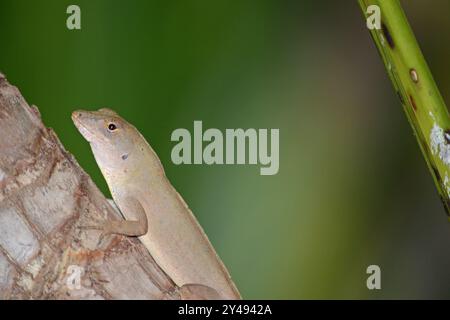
(103, 126)
(107, 132)
(118, 147)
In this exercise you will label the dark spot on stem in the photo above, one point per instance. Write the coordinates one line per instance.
(388, 36)
(414, 75)
(125, 157)
(413, 103)
(447, 136)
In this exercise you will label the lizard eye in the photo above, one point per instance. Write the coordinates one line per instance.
(112, 127)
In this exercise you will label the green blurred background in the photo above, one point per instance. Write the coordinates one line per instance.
(352, 190)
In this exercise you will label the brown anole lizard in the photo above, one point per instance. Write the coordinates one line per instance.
(153, 209)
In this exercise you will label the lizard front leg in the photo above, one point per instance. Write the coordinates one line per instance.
(131, 228)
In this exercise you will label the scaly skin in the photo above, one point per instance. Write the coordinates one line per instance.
(152, 207)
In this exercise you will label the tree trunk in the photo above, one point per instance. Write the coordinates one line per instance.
(45, 196)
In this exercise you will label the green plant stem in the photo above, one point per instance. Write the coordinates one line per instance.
(418, 93)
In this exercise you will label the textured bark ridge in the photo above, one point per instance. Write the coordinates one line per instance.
(44, 198)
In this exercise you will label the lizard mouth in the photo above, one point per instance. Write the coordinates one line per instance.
(81, 126)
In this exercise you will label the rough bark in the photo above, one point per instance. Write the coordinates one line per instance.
(45, 196)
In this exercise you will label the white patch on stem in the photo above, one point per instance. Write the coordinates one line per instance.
(439, 145)
(447, 185)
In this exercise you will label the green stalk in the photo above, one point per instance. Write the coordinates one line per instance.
(418, 93)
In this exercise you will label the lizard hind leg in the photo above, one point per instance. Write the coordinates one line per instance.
(198, 292)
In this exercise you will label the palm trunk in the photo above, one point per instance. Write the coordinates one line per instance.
(44, 197)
